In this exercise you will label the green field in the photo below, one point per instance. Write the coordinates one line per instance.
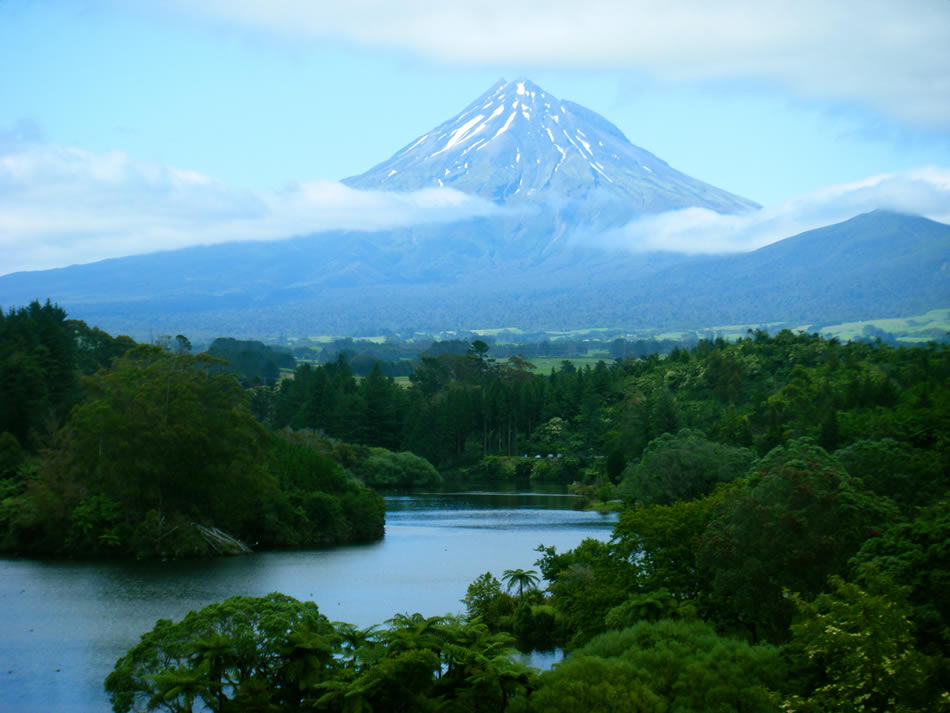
(929, 326)
(921, 328)
(545, 364)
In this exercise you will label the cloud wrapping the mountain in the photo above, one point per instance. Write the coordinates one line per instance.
(924, 191)
(61, 206)
(890, 55)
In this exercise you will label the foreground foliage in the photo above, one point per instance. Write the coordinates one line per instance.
(661, 666)
(278, 654)
(817, 489)
(779, 492)
(859, 651)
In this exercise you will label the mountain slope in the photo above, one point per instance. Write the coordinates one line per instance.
(562, 173)
(874, 265)
(518, 144)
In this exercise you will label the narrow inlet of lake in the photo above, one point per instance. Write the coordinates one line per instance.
(64, 624)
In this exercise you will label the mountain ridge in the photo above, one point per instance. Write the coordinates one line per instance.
(251, 290)
(517, 143)
(530, 266)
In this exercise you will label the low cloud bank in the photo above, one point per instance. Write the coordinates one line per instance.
(61, 206)
(924, 191)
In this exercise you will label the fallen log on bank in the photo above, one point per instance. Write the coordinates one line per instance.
(221, 542)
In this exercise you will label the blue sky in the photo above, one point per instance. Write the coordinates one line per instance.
(129, 127)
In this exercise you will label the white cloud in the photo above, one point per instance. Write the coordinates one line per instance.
(924, 191)
(887, 54)
(62, 206)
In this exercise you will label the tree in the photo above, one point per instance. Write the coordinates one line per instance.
(214, 655)
(37, 370)
(858, 647)
(96, 349)
(663, 666)
(916, 553)
(160, 433)
(909, 476)
(485, 600)
(595, 685)
(385, 469)
(586, 583)
(520, 578)
(684, 466)
(384, 405)
(425, 664)
(797, 521)
(659, 544)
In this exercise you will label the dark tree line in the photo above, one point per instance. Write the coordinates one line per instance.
(467, 410)
(253, 361)
(109, 447)
(458, 408)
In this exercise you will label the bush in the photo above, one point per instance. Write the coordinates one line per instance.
(386, 469)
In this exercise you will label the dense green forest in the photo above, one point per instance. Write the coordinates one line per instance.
(469, 411)
(253, 361)
(108, 447)
(784, 540)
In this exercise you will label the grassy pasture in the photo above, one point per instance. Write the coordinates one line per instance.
(920, 328)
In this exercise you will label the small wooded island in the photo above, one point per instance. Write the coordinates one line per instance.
(783, 544)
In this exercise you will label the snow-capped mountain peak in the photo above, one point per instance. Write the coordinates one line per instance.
(518, 143)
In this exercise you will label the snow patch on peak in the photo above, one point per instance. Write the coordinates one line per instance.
(599, 168)
(419, 141)
(561, 160)
(477, 145)
(459, 134)
(503, 129)
(453, 154)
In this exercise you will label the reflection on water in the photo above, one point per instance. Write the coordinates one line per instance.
(487, 510)
(541, 659)
(65, 623)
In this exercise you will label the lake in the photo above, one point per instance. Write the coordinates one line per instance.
(65, 623)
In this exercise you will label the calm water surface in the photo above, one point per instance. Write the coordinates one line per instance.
(64, 624)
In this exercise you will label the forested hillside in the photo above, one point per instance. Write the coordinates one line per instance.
(789, 491)
(471, 411)
(784, 540)
(782, 543)
(108, 447)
